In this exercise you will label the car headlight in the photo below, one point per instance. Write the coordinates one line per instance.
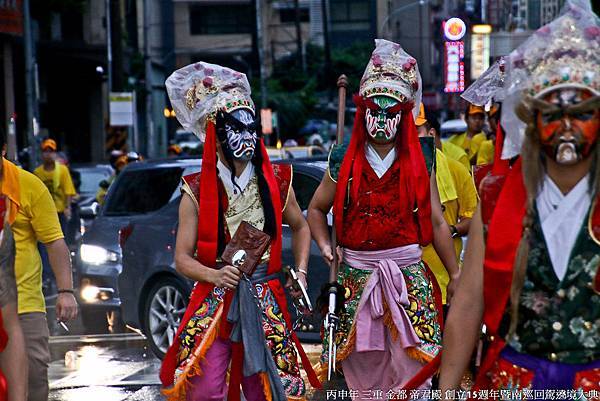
(97, 255)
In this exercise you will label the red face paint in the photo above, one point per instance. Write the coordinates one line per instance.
(568, 138)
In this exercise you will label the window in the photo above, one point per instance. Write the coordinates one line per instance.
(142, 191)
(350, 15)
(221, 19)
(304, 188)
(288, 15)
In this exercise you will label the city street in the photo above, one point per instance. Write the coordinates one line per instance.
(103, 367)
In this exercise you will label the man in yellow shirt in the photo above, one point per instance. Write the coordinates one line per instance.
(457, 194)
(34, 218)
(471, 140)
(57, 179)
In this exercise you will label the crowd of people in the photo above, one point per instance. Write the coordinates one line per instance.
(404, 311)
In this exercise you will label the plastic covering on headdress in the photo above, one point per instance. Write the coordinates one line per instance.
(563, 53)
(488, 87)
(199, 90)
(392, 72)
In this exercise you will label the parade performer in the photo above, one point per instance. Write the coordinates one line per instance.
(235, 330)
(534, 278)
(379, 188)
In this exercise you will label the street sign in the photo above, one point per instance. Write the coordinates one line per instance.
(266, 121)
(454, 29)
(454, 67)
(122, 109)
(480, 50)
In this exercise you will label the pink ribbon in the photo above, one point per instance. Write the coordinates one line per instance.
(386, 281)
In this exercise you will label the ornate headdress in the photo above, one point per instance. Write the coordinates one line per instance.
(199, 90)
(392, 72)
(488, 87)
(562, 54)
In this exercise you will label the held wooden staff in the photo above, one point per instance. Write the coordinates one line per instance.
(342, 84)
(332, 320)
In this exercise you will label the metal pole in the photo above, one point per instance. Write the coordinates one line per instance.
(261, 55)
(109, 47)
(29, 86)
(151, 145)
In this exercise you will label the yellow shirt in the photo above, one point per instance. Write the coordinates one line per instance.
(59, 184)
(486, 152)
(457, 153)
(36, 220)
(460, 208)
(471, 146)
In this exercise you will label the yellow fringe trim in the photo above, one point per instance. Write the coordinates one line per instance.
(179, 390)
(418, 355)
(388, 321)
(266, 385)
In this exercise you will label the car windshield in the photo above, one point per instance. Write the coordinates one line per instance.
(142, 191)
(90, 179)
(186, 137)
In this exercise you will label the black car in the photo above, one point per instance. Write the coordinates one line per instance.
(154, 296)
(142, 190)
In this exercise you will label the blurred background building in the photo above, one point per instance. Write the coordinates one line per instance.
(292, 50)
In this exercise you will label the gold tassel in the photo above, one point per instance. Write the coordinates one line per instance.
(264, 378)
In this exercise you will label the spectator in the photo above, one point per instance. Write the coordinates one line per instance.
(35, 218)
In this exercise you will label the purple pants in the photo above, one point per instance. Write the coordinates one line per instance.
(211, 385)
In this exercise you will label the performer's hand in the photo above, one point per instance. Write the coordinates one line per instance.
(327, 254)
(67, 213)
(451, 288)
(289, 285)
(227, 277)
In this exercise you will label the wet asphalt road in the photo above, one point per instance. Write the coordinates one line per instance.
(103, 368)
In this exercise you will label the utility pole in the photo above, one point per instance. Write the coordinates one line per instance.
(326, 45)
(31, 125)
(261, 55)
(151, 140)
(299, 36)
(109, 48)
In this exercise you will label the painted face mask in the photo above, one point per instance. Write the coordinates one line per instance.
(240, 128)
(382, 118)
(568, 124)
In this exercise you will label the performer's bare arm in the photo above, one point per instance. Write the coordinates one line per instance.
(464, 320)
(186, 263)
(292, 216)
(318, 209)
(13, 360)
(442, 238)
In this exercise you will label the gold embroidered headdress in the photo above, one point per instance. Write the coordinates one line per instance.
(562, 54)
(199, 90)
(392, 72)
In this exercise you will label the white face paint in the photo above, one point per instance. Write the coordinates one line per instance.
(241, 135)
(382, 125)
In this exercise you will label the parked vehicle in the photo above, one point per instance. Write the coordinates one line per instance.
(86, 179)
(187, 141)
(451, 127)
(154, 296)
(141, 189)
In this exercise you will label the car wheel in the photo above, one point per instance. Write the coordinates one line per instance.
(164, 308)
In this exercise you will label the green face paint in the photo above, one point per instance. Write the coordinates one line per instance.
(381, 124)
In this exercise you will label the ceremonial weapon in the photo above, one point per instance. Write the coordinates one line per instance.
(332, 320)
